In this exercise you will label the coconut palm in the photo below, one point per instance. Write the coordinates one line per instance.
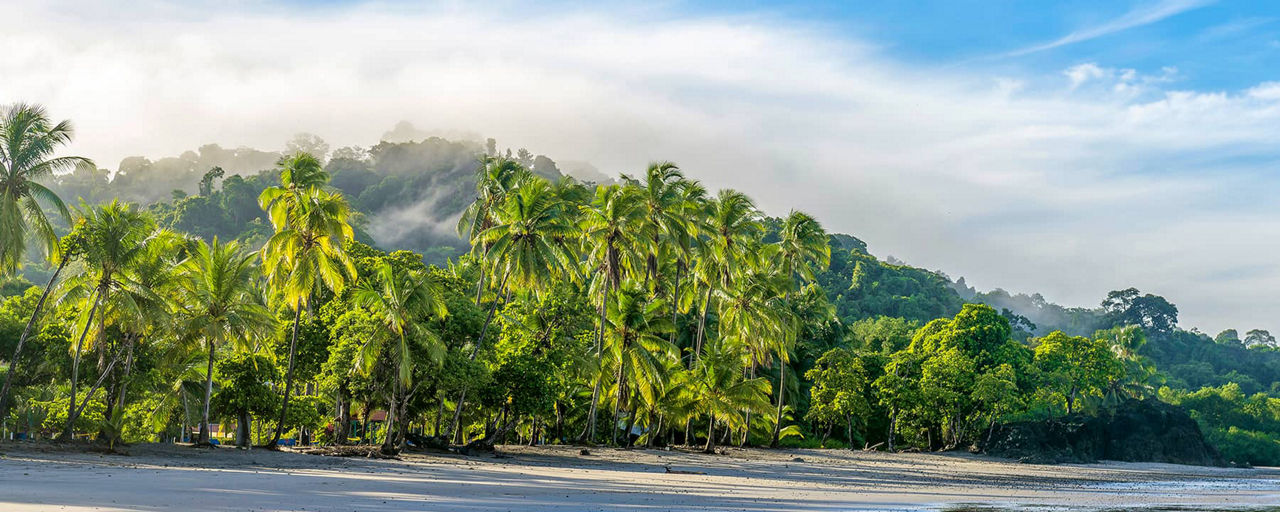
(306, 252)
(752, 310)
(802, 247)
(402, 301)
(114, 238)
(721, 394)
(637, 348)
(661, 198)
(530, 241)
(732, 221)
(610, 226)
(496, 178)
(139, 309)
(218, 304)
(28, 140)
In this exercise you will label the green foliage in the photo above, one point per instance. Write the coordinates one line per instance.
(1075, 367)
(243, 386)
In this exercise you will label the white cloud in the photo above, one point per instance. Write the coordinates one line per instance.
(1144, 15)
(1071, 190)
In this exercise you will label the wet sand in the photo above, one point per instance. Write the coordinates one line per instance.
(170, 477)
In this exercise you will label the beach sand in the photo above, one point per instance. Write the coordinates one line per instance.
(171, 477)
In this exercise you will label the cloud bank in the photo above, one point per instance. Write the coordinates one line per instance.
(1071, 183)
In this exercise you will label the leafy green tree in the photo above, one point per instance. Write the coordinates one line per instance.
(1075, 366)
(610, 226)
(721, 394)
(244, 392)
(634, 340)
(839, 390)
(802, 248)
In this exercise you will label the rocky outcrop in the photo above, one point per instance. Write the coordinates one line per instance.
(1136, 431)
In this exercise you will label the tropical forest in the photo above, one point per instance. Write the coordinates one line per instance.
(453, 294)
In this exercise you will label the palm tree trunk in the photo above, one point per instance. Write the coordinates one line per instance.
(631, 423)
(462, 399)
(782, 391)
(288, 377)
(702, 326)
(208, 397)
(67, 431)
(590, 432)
(17, 352)
(124, 377)
(711, 434)
(617, 404)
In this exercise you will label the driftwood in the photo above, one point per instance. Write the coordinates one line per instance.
(873, 447)
(681, 471)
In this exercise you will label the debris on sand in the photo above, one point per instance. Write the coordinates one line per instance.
(681, 471)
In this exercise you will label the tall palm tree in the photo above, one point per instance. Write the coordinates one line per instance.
(661, 197)
(218, 304)
(610, 236)
(733, 220)
(402, 301)
(634, 331)
(496, 178)
(115, 237)
(530, 241)
(306, 251)
(28, 140)
(803, 246)
(752, 311)
(140, 309)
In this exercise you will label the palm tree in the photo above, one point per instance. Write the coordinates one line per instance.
(496, 178)
(306, 251)
(529, 243)
(610, 237)
(219, 304)
(661, 197)
(141, 308)
(732, 221)
(802, 246)
(634, 328)
(752, 312)
(114, 238)
(402, 301)
(720, 393)
(27, 142)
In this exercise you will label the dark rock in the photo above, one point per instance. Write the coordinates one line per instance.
(797, 459)
(1136, 431)
(584, 451)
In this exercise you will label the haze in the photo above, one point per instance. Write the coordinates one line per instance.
(1025, 167)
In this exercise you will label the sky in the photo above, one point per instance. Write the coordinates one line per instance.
(1065, 148)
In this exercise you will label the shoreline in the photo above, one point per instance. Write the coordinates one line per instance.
(163, 476)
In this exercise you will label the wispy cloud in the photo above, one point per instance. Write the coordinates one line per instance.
(1138, 17)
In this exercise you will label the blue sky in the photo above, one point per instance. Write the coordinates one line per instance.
(1213, 45)
(1070, 148)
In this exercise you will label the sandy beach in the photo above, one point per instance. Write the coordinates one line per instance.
(169, 477)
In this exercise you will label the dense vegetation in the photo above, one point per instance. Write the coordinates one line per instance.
(321, 301)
